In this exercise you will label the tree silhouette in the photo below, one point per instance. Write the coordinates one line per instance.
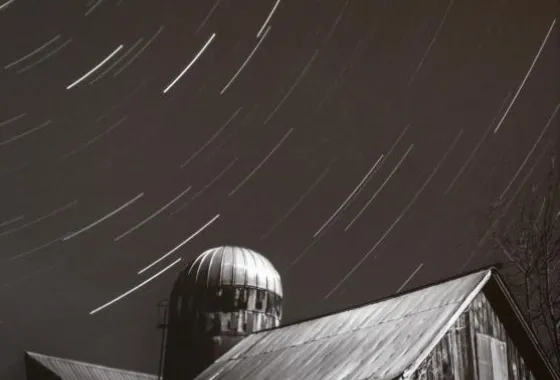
(528, 240)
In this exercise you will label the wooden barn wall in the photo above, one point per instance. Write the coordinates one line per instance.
(484, 320)
(454, 357)
(451, 358)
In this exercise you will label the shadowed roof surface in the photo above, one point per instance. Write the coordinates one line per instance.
(68, 369)
(380, 341)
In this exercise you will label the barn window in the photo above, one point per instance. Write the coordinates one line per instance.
(491, 357)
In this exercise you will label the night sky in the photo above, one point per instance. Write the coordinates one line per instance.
(356, 144)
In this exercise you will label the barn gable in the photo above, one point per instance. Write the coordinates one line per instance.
(442, 329)
(477, 346)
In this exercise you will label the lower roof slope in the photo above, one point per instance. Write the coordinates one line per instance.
(380, 341)
(68, 369)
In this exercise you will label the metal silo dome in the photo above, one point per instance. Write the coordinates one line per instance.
(232, 266)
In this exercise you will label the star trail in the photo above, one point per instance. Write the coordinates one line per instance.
(358, 145)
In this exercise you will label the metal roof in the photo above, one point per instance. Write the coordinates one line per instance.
(382, 340)
(233, 266)
(68, 369)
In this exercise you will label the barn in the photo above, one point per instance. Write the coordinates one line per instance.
(466, 327)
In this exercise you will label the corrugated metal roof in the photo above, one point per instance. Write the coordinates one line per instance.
(74, 370)
(377, 341)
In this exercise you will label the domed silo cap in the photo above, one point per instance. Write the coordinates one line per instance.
(232, 266)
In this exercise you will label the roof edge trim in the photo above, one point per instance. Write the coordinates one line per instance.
(437, 338)
(36, 355)
(376, 300)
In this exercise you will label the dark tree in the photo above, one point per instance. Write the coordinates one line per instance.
(528, 241)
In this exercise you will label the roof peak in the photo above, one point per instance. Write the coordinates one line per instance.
(493, 268)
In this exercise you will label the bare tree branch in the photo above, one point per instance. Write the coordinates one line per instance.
(530, 245)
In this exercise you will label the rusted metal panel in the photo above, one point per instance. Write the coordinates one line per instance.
(377, 341)
(67, 369)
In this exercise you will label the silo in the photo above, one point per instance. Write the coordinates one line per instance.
(219, 298)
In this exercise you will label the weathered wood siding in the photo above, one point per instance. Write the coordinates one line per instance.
(451, 358)
(484, 320)
(456, 355)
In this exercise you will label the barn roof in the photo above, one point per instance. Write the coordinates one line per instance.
(67, 369)
(384, 340)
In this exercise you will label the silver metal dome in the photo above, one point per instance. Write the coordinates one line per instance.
(233, 266)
